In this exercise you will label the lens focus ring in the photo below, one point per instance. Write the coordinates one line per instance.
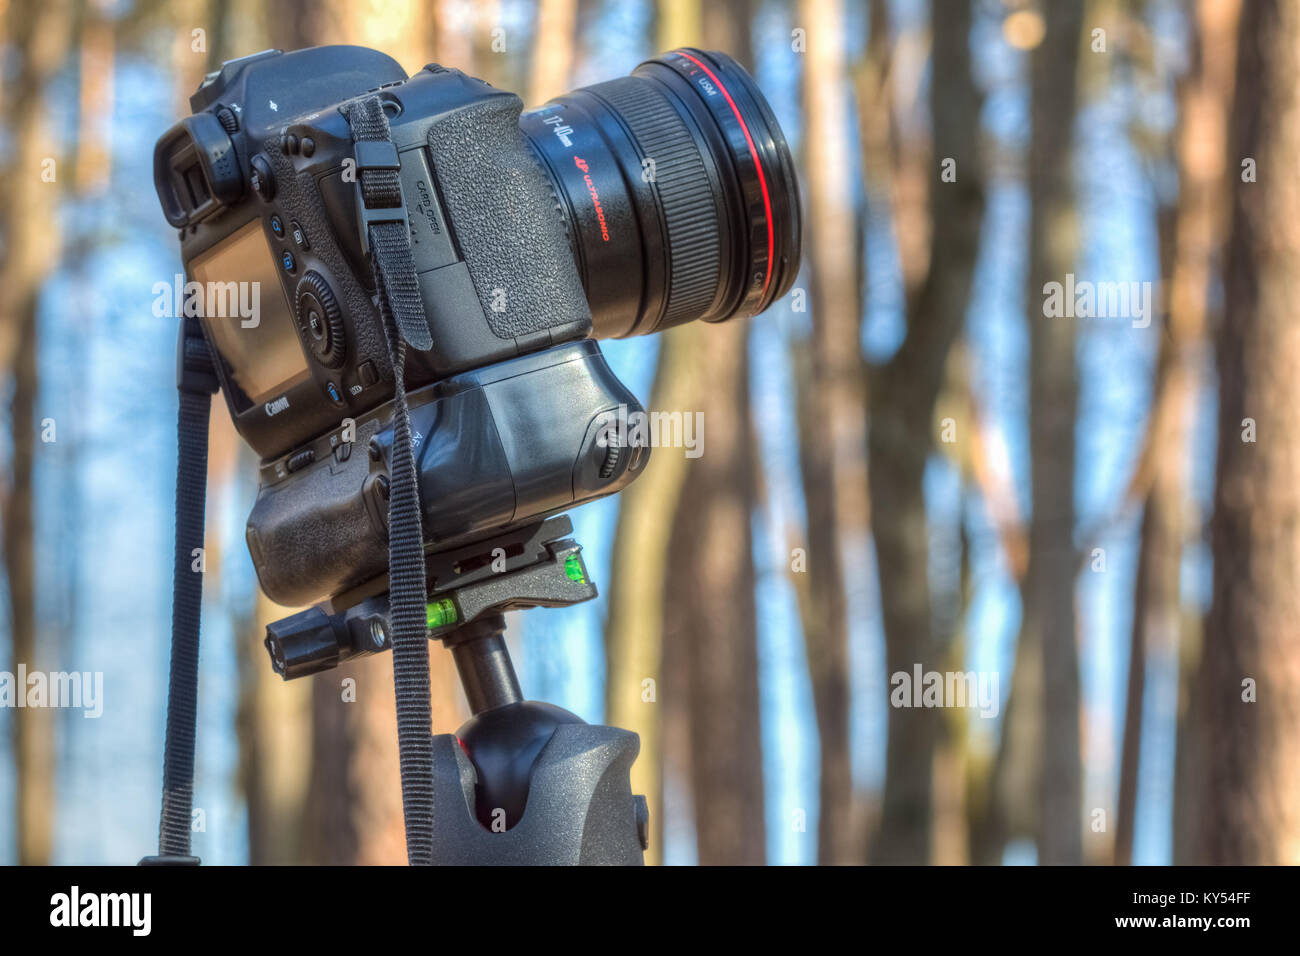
(686, 196)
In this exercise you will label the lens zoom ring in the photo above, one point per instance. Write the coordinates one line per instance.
(685, 194)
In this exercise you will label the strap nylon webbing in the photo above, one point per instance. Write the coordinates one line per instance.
(387, 237)
(195, 383)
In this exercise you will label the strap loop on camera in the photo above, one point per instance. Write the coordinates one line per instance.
(381, 219)
(371, 156)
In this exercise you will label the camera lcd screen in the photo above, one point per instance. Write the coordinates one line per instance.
(247, 316)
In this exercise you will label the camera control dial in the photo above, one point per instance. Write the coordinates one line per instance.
(319, 320)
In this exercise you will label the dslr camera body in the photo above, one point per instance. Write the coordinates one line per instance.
(618, 209)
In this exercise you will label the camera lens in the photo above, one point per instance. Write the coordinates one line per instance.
(678, 191)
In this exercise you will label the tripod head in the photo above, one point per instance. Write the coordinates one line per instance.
(522, 781)
(536, 565)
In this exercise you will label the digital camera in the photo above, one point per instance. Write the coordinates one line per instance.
(618, 209)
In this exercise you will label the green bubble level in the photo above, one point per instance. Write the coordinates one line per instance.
(440, 613)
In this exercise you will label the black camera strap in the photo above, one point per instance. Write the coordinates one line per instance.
(385, 235)
(196, 382)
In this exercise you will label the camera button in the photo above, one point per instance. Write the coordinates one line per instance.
(287, 262)
(333, 392)
(300, 459)
(261, 179)
(277, 227)
(366, 374)
(299, 236)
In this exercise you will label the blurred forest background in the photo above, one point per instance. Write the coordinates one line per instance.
(910, 461)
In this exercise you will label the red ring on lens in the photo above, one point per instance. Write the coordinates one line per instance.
(753, 154)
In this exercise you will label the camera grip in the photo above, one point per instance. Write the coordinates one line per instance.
(503, 210)
(314, 535)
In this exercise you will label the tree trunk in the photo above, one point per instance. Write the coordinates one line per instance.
(638, 572)
(831, 420)
(1054, 396)
(41, 32)
(552, 45)
(710, 613)
(710, 620)
(354, 808)
(903, 395)
(1191, 239)
(33, 728)
(1037, 784)
(272, 720)
(1248, 707)
(453, 36)
(1155, 622)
